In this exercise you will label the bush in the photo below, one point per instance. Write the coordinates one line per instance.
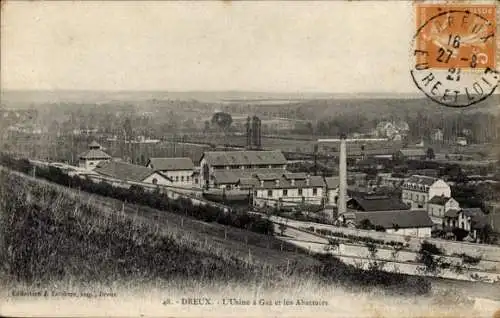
(431, 248)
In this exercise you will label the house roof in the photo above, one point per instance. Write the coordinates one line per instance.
(295, 175)
(237, 158)
(284, 183)
(403, 218)
(94, 144)
(378, 203)
(332, 182)
(421, 180)
(439, 200)
(94, 154)
(413, 152)
(233, 176)
(452, 213)
(124, 171)
(171, 164)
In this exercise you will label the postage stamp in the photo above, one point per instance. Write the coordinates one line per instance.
(454, 50)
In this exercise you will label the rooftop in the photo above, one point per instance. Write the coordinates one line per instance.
(171, 164)
(237, 158)
(421, 180)
(124, 171)
(401, 218)
(94, 154)
(233, 176)
(369, 203)
(332, 182)
(439, 200)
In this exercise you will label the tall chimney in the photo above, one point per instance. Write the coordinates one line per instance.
(343, 177)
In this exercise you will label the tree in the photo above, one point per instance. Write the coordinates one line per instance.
(460, 234)
(365, 224)
(223, 120)
(430, 153)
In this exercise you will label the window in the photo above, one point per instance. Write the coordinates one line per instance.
(196, 180)
(155, 181)
(177, 178)
(300, 191)
(285, 192)
(182, 178)
(269, 193)
(315, 191)
(187, 178)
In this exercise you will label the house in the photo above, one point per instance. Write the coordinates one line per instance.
(179, 170)
(437, 135)
(371, 202)
(212, 161)
(468, 219)
(462, 141)
(411, 154)
(92, 157)
(437, 207)
(130, 172)
(331, 190)
(231, 179)
(288, 189)
(417, 190)
(404, 222)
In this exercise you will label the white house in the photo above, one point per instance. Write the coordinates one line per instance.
(130, 172)
(404, 222)
(437, 207)
(92, 157)
(212, 161)
(418, 190)
(288, 189)
(179, 170)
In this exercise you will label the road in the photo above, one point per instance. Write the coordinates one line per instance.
(402, 261)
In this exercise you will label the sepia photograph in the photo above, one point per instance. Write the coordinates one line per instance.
(250, 159)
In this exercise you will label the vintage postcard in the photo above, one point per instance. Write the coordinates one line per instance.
(250, 159)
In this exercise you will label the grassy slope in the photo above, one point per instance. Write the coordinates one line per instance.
(52, 234)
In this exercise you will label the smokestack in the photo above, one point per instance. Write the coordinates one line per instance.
(342, 176)
(249, 133)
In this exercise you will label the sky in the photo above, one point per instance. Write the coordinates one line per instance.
(337, 47)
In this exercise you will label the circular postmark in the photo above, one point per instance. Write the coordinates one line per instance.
(454, 52)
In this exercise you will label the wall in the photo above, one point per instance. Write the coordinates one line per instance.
(419, 232)
(90, 164)
(439, 188)
(159, 179)
(292, 197)
(180, 177)
(331, 194)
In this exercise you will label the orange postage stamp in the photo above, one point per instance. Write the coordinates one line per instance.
(454, 51)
